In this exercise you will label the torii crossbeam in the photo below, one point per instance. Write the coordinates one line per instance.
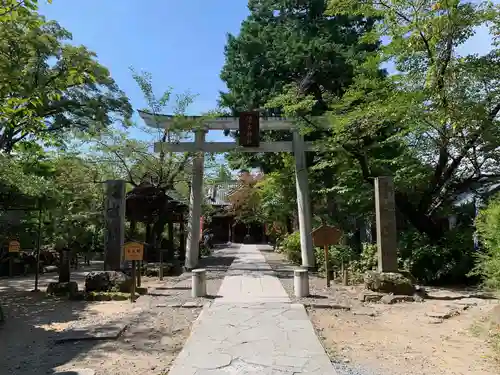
(298, 146)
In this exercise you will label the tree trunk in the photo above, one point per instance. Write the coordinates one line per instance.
(182, 240)
(133, 229)
(422, 222)
(170, 240)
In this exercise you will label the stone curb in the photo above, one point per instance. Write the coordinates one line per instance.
(81, 335)
(313, 305)
(185, 305)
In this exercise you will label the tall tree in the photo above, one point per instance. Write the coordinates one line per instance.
(434, 125)
(49, 88)
(281, 42)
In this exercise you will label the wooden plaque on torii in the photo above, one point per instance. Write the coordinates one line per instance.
(249, 128)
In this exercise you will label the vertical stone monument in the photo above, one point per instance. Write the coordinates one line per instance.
(386, 225)
(114, 217)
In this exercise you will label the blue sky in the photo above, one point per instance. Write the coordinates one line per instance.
(181, 42)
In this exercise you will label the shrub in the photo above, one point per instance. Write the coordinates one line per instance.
(108, 296)
(367, 261)
(446, 262)
(336, 256)
(291, 247)
(488, 229)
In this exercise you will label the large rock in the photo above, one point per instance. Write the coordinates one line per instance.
(389, 282)
(107, 281)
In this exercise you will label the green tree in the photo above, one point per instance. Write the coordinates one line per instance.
(49, 89)
(488, 228)
(281, 42)
(245, 199)
(278, 197)
(10, 9)
(434, 124)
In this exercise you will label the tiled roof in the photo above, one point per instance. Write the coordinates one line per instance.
(218, 194)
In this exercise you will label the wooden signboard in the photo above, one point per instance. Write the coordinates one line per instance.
(249, 129)
(14, 246)
(134, 251)
(325, 236)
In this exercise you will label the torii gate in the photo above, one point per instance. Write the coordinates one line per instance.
(249, 124)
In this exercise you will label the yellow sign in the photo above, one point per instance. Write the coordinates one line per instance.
(134, 251)
(14, 247)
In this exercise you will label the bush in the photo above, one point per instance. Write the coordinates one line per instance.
(291, 247)
(336, 256)
(367, 261)
(447, 262)
(488, 229)
(108, 296)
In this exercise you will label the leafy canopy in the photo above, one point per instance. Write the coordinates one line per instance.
(50, 89)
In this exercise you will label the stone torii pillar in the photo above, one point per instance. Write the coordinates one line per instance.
(195, 202)
(303, 201)
(298, 147)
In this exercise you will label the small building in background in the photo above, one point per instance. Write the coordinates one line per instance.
(223, 224)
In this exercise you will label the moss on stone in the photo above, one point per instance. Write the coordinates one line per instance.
(389, 282)
(108, 296)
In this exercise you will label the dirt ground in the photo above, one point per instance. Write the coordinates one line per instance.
(152, 330)
(402, 338)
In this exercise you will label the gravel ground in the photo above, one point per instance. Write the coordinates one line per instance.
(351, 369)
(154, 335)
(397, 339)
(320, 294)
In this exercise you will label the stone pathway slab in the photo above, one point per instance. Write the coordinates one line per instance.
(253, 328)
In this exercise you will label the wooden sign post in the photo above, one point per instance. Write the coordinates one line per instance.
(134, 251)
(326, 236)
(14, 247)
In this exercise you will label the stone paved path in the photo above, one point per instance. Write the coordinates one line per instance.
(252, 328)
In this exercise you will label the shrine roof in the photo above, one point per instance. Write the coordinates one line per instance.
(218, 194)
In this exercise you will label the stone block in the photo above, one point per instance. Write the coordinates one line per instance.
(69, 289)
(389, 282)
(443, 314)
(369, 296)
(390, 299)
(107, 281)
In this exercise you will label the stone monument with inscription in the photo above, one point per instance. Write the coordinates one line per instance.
(114, 215)
(385, 211)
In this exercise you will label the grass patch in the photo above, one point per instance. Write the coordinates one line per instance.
(108, 296)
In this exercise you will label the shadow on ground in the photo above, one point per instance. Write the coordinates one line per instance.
(32, 323)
